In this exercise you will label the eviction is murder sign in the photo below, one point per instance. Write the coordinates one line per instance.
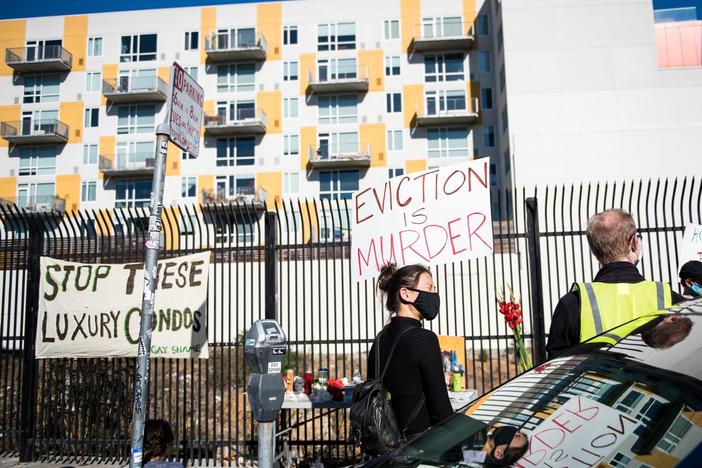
(94, 310)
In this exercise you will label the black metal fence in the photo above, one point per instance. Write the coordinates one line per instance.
(292, 261)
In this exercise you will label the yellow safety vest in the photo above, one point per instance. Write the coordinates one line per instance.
(604, 306)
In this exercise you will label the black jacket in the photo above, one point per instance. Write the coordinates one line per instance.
(416, 369)
(565, 323)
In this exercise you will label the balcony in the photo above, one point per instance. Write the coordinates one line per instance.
(324, 81)
(52, 58)
(345, 158)
(447, 117)
(135, 89)
(134, 165)
(441, 37)
(35, 132)
(221, 47)
(246, 122)
(40, 204)
(242, 199)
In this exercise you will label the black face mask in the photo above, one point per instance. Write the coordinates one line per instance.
(500, 436)
(427, 303)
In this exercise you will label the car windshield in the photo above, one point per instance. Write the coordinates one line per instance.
(638, 403)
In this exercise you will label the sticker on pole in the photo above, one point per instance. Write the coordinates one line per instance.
(185, 98)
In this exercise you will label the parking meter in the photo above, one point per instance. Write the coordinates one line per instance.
(264, 348)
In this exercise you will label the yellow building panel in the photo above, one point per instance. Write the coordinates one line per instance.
(106, 150)
(205, 183)
(469, 14)
(9, 114)
(71, 113)
(272, 183)
(68, 188)
(75, 39)
(164, 73)
(171, 223)
(208, 109)
(410, 18)
(173, 160)
(8, 188)
(308, 63)
(12, 34)
(270, 102)
(415, 165)
(373, 135)
(269, 23)
(208, 23)
(372, 61)
(308, 139)
(310, 224)
(109, 74)
(413, 101)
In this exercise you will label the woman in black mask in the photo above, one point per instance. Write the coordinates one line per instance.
(414, 375)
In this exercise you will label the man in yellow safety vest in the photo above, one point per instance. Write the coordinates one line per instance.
(618, 293)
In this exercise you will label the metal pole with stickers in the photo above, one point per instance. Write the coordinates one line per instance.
(181, 126)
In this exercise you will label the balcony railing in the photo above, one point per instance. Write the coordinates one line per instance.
(34, 132)
(244, 198)
(38, 203)
(447, 117)
(247, 121)
(222, 47)
(345, 156)
(38, 59)
(343, 79)
(442, 37)
(127, 89)
(134, 164)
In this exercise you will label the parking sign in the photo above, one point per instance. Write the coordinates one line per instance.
(185, 110)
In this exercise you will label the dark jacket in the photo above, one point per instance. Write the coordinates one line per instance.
(565, 324)
(416, 369)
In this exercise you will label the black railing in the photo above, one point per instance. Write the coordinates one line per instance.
(291, 262)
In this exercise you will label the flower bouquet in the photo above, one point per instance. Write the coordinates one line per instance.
(335, 387)
(511, 310)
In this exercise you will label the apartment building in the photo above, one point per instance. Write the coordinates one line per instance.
(310, 98)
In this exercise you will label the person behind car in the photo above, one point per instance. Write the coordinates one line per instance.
(415, 375)
(691, 279)
(158, 442)
(618, 293)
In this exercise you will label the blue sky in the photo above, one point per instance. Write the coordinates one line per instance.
(29, 8)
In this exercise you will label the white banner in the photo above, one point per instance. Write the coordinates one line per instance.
(94, 310)
(430, 217)
(691, 246)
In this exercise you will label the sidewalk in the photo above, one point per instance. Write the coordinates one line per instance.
(12, 462)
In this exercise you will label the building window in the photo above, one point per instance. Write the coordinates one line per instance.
(338, 185)
(41, 88)
(134, 154)
(392, 65)
(236, 151)
(138, 48)
(235, 38)
(619, 460)
(500, 39)
(488, 136)
(136, 119)
(393, 102)
(94, 46)
(184, 155)
(90, 154)
(35, 195)
(236, 110)
(192, 71)
(483, 25)
(485, 61)
(502, 79)
(92, 117)
(291, 182)
(290, 110)
(37, 161)
(337, 109)
(505, 121)
(93, 84)
(394, 140)
(336, 69)
(291, 145)
(391, 29)
(486, 98)
(188, 187)
(493, 175)
(675, 434)
(88, 191)
(447, 143)
(336, 36)
(395, 172)
(236, 77)
(192, 40)
(132, 193)
(443, 67)
(289, 35)
(290, 71)
(439, 102)
(450, 26)
(335, 144)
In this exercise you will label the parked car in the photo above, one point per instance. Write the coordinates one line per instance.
(634, 403)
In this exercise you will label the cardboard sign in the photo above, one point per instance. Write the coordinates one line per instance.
(582, 432)
(94, 310)
(691, 246)
(431, 217)
(185, 100)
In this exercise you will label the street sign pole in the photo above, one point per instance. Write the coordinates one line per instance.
(141, 373)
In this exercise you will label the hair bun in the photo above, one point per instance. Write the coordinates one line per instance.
(386, 274)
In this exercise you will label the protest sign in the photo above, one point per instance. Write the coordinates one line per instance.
(431, 217)
(582, 432)
(94, 310)
(691, 246)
